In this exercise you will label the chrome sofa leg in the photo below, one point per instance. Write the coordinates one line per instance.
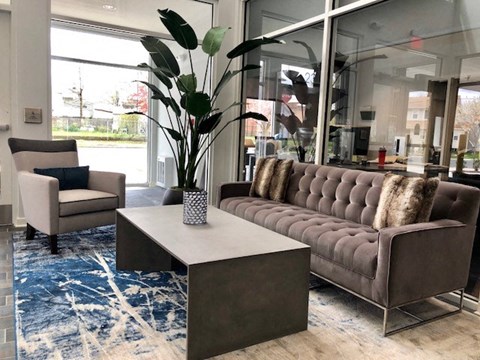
(385, 321)
(419, 320)
(460, 305)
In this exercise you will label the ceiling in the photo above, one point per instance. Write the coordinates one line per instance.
(133, 14)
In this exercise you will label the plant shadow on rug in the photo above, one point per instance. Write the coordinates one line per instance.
(76, 305)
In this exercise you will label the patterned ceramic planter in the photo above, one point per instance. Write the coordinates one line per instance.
(195, 207)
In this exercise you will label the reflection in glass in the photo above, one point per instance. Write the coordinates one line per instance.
(340, 3)
(396, 78)
(286, 90)
(266, 16)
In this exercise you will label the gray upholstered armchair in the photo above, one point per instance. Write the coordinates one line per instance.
(54, 211)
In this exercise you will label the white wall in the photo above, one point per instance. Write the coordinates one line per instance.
(30, 76)
(224, 155)
(5, 157)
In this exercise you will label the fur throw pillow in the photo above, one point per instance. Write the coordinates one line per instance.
(271, 178)
(404, 200)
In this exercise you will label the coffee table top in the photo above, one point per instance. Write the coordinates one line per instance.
(225, 236)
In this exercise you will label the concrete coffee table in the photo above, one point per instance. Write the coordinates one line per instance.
(246, 284)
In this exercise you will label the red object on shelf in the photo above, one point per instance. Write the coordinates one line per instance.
(381, 156)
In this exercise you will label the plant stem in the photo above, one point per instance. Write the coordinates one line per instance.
(191, 62)
(215, 96)
(206, 72)
(211, 141)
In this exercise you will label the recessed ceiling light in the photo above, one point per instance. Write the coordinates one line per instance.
(109, 5)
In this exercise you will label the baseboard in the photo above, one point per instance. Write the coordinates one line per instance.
(5, 215)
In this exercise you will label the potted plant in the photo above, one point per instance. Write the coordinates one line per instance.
(192, 120)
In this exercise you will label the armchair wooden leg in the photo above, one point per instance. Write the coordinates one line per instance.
(30, 232)
(53, 243)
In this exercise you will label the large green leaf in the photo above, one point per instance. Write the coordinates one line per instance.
(213, 40)
(159, 73)
(157, 93)
(230, 74)
(167, 101)
(161, 55)
(253, 115)
(197, 104)
(187, 83)
(249, 45)
(209, 124)
(181, 31)
(174, 134)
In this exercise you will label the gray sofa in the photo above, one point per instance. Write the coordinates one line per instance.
(332, 210)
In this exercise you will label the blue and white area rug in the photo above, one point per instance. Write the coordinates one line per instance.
(75, 305)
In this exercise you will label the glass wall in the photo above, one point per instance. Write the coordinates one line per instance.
(265, 16)
(286, 91)
(340, 3)
(403, 59)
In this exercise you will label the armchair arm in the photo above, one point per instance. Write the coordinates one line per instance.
(40, 201)
(421, 260)
(111, 182)
(232, 189)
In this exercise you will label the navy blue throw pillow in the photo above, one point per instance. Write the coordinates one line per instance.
(69, 178)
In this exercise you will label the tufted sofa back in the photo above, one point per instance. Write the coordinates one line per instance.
(346, 194)
(353, 194)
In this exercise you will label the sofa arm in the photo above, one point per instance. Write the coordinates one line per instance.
(40, 201)
(232, 189)
(422, 260)
(110, 182)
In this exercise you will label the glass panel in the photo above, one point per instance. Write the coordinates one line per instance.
(96, 47)
(465, 156)
(390, 81)
(89, 101)
(465, 161)
(286, 91)
(270, 15)
(404, 59)
(340, 3)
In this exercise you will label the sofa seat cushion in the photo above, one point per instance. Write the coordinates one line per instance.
(81, 201)
(351, 245)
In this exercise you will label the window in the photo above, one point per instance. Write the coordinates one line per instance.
(403, 70)
(286, 91)
(266, 16)
(93, 87)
